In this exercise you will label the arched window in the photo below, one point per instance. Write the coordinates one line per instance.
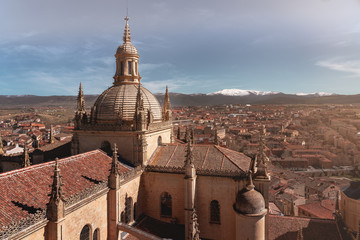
(85, 233)
(128, 209)
(214, 212)
(159, 140)
(166, 205)
(134, 211)
(96, 235)
(106, 147)
(129, 67)
(122, 68)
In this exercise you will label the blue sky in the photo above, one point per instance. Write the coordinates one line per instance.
(202, 46)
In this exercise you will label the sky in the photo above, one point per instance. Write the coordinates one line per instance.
(202, 46)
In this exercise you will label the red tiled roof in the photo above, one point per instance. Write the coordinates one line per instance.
(286, 228)
(210, 157)
(323, 209)
(25, 190)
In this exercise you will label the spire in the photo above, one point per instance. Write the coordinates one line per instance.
(56, 187)
(261, 158)
(167, 106)
(55, 207)
(80, 100)
(26, 157)
(139, 99)
(127, 36)
(113, 179)
(2, 152)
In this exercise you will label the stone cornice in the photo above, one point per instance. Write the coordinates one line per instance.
(33, 222)
(199, 172)
(95, 191)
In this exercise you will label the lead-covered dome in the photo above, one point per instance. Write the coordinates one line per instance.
(118, 103)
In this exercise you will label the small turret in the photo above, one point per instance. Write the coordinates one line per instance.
(166, 111)
(250, 213)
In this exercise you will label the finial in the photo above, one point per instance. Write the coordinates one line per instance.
(115, 164)
(250, 186)
(115, 151)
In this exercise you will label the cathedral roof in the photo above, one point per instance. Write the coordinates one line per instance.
(206, 158)
(286, 228)
(25, 191)
(118, 103)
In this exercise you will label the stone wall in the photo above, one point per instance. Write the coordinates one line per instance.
(208, 188)
(93, 213)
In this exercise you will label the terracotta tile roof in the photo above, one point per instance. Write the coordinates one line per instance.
(26, 190)
(207, 157)
(323, 209)
(286, 228)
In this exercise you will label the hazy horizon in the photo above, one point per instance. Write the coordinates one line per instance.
(48, 48)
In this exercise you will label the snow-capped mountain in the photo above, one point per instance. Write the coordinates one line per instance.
(320, 94)
(241, 92)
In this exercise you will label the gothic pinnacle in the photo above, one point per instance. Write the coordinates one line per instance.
(114, 164)
(80, 100)
(56, 187)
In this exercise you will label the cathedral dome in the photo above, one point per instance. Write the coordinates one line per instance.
(127, 48)
(250, 201)
(118, 103)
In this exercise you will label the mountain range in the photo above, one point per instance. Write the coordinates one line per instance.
(226, 96)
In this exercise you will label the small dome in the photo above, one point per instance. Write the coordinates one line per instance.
(250, 201)
(119, 101)
(127, 48)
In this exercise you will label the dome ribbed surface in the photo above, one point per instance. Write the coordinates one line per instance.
(127, 48)
(119, 101)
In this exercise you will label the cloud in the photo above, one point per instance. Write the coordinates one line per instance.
(347, 66)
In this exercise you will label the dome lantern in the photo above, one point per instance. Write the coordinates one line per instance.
(127, 60)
